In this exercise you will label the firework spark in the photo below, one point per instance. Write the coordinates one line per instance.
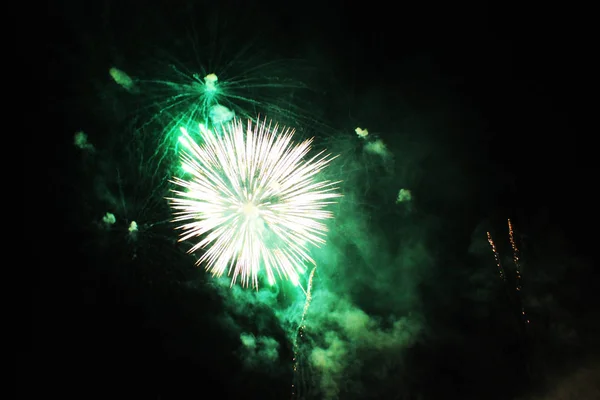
(253, 199)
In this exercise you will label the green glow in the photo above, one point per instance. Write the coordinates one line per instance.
(121, 78)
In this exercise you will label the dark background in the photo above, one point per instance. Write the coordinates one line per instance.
(495, 95)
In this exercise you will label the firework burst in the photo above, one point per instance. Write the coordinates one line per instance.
(253, 199)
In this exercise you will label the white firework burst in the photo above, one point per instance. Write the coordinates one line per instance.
(253, 199)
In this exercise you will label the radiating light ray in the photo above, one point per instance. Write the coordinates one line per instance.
(253, 199)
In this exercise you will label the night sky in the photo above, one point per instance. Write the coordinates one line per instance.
(483, 111)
